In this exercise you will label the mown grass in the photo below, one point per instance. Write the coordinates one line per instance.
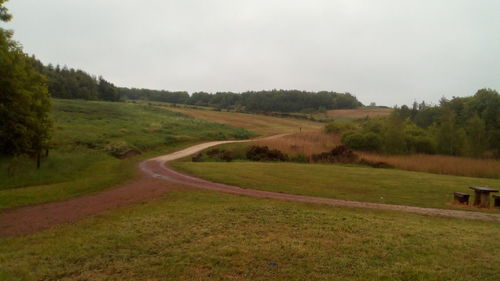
(212, 236)
(85, 135)
(262, 125)
(340, 181)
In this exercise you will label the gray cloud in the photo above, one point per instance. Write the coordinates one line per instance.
(387, 51)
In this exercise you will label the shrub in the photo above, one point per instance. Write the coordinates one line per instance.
(340, 154)
(362, 141)
(263, 153)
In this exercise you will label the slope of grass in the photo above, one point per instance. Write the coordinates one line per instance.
(352, 114)
(263, 125)
(340, 181)
(211, 236)
(85, 134)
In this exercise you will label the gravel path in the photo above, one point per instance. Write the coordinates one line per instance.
(157, 178)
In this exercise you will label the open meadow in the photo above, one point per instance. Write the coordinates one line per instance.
(263, 125)
(196, 235)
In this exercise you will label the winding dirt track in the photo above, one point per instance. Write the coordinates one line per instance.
(158, 178)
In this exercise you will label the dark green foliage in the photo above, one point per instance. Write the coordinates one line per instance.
(219, 154)
(268, 101)
(69, 83)
(263, 153)
(107, 91)
(468, 126)
(24, 99)
(154, 95)
(362, 141)
(340, 154)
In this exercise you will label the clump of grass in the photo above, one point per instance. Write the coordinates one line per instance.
(439, 164)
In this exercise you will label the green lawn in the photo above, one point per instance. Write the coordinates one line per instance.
(211, 236)
(337, 181)
(86, 133)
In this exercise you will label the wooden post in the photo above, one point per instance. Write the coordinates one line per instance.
(485, 200)
(477, 198)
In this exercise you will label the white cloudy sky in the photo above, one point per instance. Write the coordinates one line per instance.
(386, 51)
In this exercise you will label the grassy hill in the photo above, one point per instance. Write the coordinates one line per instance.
(87, 136)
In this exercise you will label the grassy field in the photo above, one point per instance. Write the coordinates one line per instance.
(211, 236)
(352, 114)
(86, 133)
(263, 125)
(339, 181)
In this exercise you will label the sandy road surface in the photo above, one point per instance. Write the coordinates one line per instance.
(158, 178)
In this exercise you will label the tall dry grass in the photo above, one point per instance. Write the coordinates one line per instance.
(304, 143)
(314, 142)
(440, 164)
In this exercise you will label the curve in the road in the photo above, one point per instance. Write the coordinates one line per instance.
(157, 178)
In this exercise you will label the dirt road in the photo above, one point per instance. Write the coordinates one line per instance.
(158, 178)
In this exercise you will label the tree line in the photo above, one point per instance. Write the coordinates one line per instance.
(69, 83)
(461, 126)
(272, 100)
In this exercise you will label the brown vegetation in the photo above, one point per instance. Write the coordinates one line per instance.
(359, 113)
(304, 143)
(440, 164)
(264, 125)
(316, 142)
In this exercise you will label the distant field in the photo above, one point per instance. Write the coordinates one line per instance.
(85, 134)
(212, 236)
(359, 113)
(315, 142)
(340, 181)
(263, 125)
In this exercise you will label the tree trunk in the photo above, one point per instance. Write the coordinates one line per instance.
(38, 156)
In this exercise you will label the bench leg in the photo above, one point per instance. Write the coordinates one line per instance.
(477, 198)
(485, 200)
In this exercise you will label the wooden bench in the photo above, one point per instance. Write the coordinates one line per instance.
(482, 196)
(496, 201)
(461, 198)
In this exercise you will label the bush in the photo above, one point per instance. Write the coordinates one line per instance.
(263, 153)
(340, 154)
(421, 144)
(362, 141)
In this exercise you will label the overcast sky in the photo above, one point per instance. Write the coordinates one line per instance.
(384, 51)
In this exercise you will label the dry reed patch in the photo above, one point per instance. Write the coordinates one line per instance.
(359, 113)
(264, 125)
(305, 143)
(439, 164)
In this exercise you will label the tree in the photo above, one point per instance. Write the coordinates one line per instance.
(107, 91)
(476, 140)
(24, 99)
